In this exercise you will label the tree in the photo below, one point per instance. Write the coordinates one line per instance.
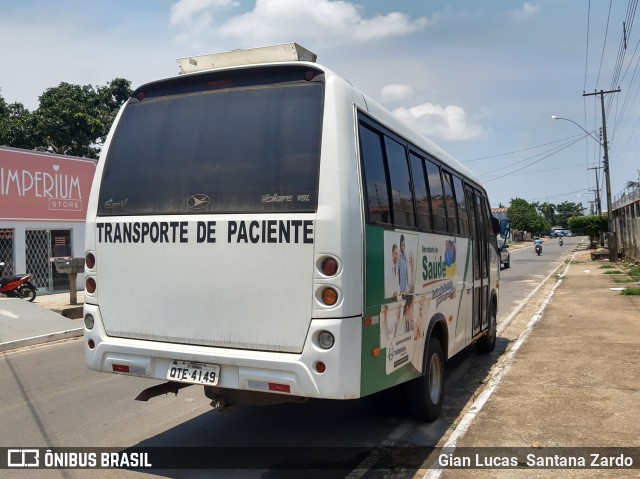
(524, 217)
(70, 119)
(589, 225)
(16, 126)
(548, 210)
(75, 120)
(566, 210)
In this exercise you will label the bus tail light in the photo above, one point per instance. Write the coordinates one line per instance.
(321, 367)
(120, 368)
(90, 260)
(329, 266)
(329, 296)
(90, 285)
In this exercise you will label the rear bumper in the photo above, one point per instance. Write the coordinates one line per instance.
(242, 369)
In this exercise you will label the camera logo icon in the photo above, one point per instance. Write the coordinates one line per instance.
(23, 458)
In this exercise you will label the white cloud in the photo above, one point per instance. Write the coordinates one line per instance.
(196, 12)
(448, 123)
(393, 24)
(527, 10)
(272, 21)
(396, 91)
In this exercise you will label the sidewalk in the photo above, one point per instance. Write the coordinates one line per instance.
(48, 318)
(573, 383)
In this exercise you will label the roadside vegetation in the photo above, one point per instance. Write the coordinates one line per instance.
(632, 271)
(630, 292)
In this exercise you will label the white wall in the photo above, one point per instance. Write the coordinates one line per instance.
(20, 228)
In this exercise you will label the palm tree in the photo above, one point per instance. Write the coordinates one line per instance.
(632, 185)
(548, 210)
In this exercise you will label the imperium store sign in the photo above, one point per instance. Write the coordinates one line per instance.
(41, 186)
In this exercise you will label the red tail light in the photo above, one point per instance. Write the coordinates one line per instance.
(90, 260)
(329, 267)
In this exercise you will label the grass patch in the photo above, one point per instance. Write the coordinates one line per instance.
(631, 292)
(606, 266)
(635, 272)
(575, 261)
(613, 272)
(624, 280)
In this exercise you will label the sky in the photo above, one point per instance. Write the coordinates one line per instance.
(480, 78)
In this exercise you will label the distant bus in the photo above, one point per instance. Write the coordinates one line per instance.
(259, 226)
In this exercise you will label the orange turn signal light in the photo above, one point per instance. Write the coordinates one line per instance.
(329, 296)
(90, 285)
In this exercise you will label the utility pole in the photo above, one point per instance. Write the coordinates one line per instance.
(613, 242)
(598, 203)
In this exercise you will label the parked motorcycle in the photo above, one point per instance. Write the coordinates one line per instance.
(19, 286)
(539, 249)
(560, 241)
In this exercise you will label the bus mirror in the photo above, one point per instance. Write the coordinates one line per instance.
(505, 228)
(495, 225)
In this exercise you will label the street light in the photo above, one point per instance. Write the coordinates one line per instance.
(554, 117)
(613, 247)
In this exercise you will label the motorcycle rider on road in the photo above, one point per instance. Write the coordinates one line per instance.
(537, 244)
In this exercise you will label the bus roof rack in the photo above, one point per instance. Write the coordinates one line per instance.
(286, 52)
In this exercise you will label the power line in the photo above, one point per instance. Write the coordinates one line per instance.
(626, 105)
(586, 56)
(559, 195)
(553, 150)
(604, 44)
(544, 170)
(532, 163)
(523, 149)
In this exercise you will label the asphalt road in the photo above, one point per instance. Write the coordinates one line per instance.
(49, 398)
(528, 270)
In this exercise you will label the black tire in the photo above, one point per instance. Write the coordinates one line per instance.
(424, 395)
(27, 292)
(507, 265)
(487, 343)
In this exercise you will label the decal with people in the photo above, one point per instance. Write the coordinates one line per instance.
(423, 276)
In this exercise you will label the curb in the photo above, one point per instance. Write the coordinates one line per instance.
(45, 338)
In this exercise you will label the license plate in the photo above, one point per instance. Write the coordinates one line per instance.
(195, 373)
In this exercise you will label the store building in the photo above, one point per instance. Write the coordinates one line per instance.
(43, 204)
